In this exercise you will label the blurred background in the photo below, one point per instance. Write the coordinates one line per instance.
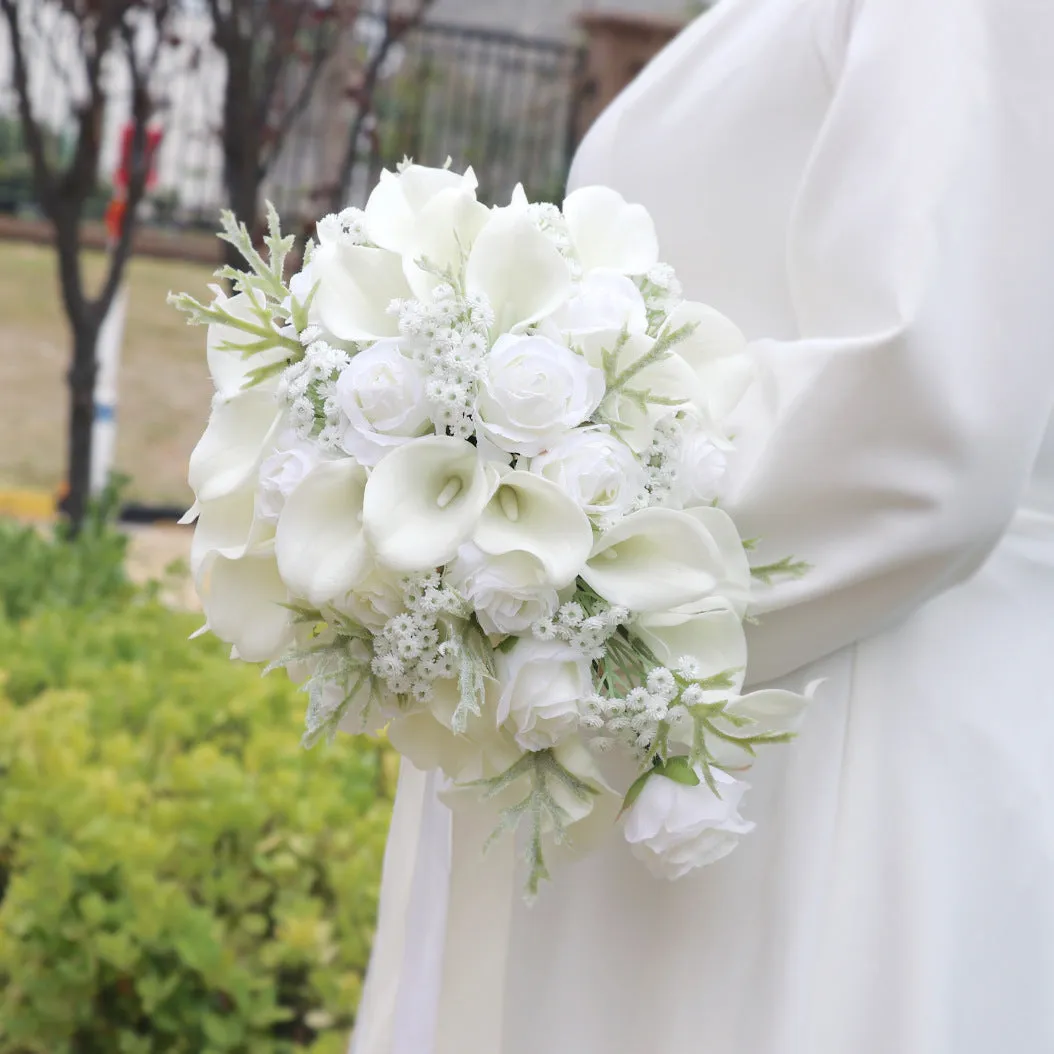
(297, 101)
(176, 873)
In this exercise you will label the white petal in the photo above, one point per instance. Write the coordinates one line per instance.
(423, 500)
(772, 710)
(228, 366)
(669, 378)
(529, 513)
(716, 354)
(608, 232)
(355, 286)
(445, 230)
(392, 208)
(734, 578)
(319, 544)
(518, 269)
(233, 444)
(242, 601)
(654, 560)
(715, 639)
(228, 526)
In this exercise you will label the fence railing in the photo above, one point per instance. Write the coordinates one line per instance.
(505, 104)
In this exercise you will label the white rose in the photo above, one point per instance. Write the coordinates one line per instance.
(597, 470)
(700, 466)
(509, 592)
(382, 394)
(425, 737)
(281, 472)
(543, 686)
(605, 300)
(674, 827)
(374, 600)
(533, 392)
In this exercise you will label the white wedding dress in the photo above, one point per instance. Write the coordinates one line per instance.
(867, 187)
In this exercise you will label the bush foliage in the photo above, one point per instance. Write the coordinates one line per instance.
(176, 873)
(46, 569)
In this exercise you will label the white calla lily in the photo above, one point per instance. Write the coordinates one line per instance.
(356, 283)
(319, 544)
(608, 232)
(715, 352)
(395, 204)
(242, 600)
(229, 526)
(518, 269)
(734, 579)
(235, 441)
(714, 638)
(772, 711)
(423, 500)
(530, 514)
(229, 363)
(654, 560)
(444, 234)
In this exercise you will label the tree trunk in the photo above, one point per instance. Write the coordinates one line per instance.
(82, 419)
(243, 193)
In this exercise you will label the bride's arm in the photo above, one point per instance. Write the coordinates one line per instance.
(906, 420)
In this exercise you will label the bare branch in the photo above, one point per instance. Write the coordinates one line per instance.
(43, 177)
(395, 28)
(325, 37)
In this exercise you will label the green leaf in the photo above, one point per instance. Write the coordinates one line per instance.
(680, 770)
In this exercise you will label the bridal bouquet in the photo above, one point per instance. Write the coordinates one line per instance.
(460, 480)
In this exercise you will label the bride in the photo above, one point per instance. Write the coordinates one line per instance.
(867, 187)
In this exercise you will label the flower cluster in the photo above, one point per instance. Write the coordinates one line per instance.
(410, 652)
(460, 480)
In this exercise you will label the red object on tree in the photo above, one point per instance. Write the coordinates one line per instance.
(153, 141)
(114, 218)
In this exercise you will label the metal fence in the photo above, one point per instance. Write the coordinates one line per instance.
(503, 103)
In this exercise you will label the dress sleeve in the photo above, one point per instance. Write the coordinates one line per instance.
(896, 435)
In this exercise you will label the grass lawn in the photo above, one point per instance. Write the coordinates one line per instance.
(165, 388)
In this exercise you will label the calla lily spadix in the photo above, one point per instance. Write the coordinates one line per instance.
(528, 513)
(424, 500)
(319, 544)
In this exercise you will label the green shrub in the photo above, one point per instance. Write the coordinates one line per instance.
(46, 569)
(176, 873)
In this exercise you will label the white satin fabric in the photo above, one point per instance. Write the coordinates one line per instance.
(867, 187)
